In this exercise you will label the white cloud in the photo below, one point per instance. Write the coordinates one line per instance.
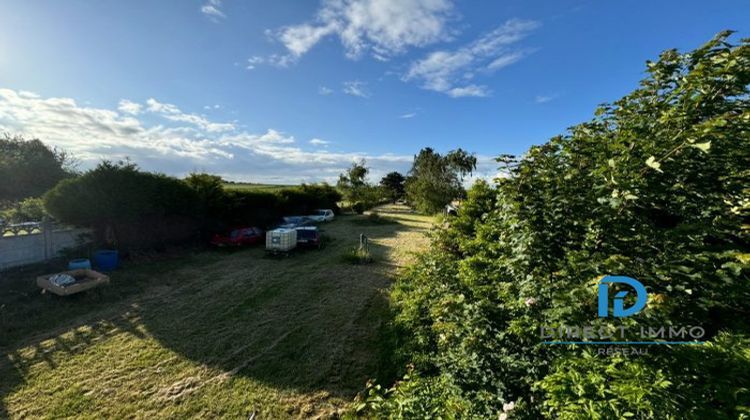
(171, 112)
(176, 144)
(212, 9)
(383, 28)
(450, 72)
(319, 142)
(408, 115)
(543, 99)
(356, 88)
(505, 60)
(129, 107)
(253, 61)
(322, 90)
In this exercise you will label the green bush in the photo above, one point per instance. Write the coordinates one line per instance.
(130, 208)
(374, 219)
(125, 206)
(655, 187)
(358, 207)
(267, 208)
(28, 210)
(357, 255)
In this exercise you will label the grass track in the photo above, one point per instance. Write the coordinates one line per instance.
(213, 333)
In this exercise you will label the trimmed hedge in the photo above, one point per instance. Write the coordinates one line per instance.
(129, 208)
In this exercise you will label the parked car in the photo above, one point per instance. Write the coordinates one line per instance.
(294, 221)
(322, 215)
(239, 237)
(308, 236)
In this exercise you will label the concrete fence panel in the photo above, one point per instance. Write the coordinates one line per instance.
(43, 245)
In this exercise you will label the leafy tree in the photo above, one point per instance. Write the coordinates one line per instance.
(655, 187)
(435, 180)
(353, 182)
(355, 188)
(29, 168)
(393, 186)
(27, 210)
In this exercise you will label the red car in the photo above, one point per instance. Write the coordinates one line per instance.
(239, 237)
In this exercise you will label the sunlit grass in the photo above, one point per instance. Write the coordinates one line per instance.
(210, 334)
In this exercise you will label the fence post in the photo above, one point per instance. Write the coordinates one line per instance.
(48, 238)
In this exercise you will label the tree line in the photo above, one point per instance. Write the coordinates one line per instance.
(433, 181)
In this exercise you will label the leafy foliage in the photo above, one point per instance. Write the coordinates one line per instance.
(435, 180)
(655, 187)
(131, 208)
(355, 189)
(29, 168)
(353, 182)
(126, 207)
(28, 210)
(393, 186)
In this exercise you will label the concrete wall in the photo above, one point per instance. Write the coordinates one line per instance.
(36, 247)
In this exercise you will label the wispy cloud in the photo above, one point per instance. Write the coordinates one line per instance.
(543, 99)
(322, 90)
(171, 141)
(408, 115)
(383, 28)
(319, 142)
(451, 71)
(356, 88)
(171, 112)
(253, 61)
(212, 9)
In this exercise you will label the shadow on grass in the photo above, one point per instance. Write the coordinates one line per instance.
(306, 323)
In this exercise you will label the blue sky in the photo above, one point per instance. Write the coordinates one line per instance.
(290, 91)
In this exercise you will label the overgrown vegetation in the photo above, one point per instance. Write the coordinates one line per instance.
(129, 208)
(655, 187)
(392, 185)
(33, 167)
(435, 180)
(356, 190)
(27, 210)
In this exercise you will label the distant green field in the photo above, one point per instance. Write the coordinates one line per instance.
(256, 187)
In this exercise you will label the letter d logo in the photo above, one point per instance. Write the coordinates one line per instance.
(619, 309)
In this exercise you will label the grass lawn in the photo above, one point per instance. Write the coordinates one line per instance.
(210, 333)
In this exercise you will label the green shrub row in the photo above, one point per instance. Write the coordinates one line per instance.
(130, 208)
(655, 187)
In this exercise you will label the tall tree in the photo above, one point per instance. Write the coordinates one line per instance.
(435, 180)
(353, 182)
(28, 168)
(393, 185)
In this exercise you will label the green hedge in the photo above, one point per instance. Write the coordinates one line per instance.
(655, 187)
(129, 208)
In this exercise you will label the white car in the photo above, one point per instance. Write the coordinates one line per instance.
(322, 215)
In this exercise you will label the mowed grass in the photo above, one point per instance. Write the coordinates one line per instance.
(210, 334)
